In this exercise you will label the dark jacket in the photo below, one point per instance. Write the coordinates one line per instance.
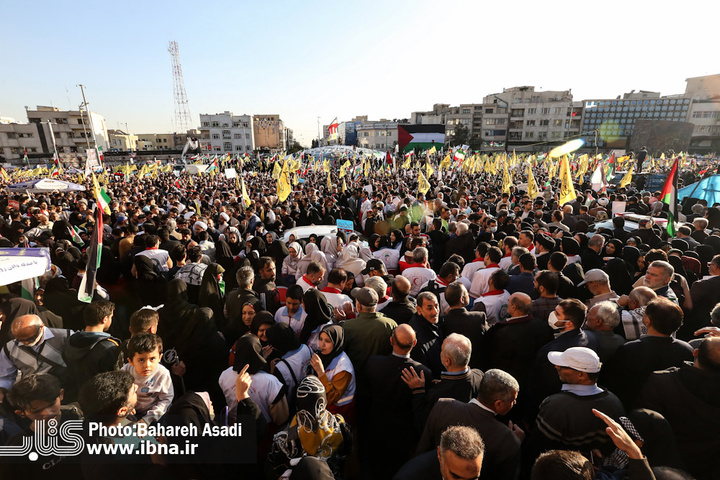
(401, 312)
(90, 353)
(689, 399)
(471, 324)
(429, 343)
(633, 363)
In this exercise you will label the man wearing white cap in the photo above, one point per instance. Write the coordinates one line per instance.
(566, 420)
(598, 283)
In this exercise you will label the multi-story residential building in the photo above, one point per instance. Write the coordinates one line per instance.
(609, 123)
(269, 132)
(704, 112)
(226, 133)
(121, 141)
(69, 131)
(377, 135)
(530, 120)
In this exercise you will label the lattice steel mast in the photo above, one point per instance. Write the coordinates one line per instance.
(182, 110)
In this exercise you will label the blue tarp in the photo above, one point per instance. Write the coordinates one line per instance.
(706, 189)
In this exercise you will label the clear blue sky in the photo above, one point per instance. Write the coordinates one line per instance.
(312, 59)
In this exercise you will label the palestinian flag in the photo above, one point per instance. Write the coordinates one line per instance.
(75, 235)
(611, 164)
(669, 197)
(94, 253)
(421, 137)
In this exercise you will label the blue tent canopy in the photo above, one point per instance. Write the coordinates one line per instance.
(706, 189)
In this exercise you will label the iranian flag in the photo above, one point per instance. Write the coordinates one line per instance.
(101, 196)
(25, 157)
(669, 197)
(94, 253)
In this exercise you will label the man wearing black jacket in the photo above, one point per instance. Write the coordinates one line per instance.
(93, 350)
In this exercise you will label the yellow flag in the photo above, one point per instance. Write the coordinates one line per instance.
(432, 150)
(283, 184)
(344, 187)
(552, 169)
(245, 197)
(446, 162)
(344, 167)
(430, 170)
(326, 165)
(367, 168)
(407, 162)
(532, 186)
(582, 166)
(567, 190)
(5, 176)
(329, 183)
(276, 170)
(295, 179)
(627, 178)
(423, 185)
(506, 179)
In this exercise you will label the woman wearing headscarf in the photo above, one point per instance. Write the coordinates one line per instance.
(613, 249)
(396, 239)
(313, 431)
(631, 256)
(620, 273)
(267, 391)
(329, 247)
(150, 286)
(303, 263)
(295, 356)
(351, 258)
(234, 240)
(275, 248)
(225, 258)
(290, 264)
(319, 313)
(335, 370)
(212, 295)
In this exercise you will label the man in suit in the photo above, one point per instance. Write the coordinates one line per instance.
(497, 395)
(458, 320)
(704, 295)
(392, 431)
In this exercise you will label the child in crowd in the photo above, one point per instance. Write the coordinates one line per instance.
(155, 389)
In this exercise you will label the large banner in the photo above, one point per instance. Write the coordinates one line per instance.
(21, 263)
(421, 137)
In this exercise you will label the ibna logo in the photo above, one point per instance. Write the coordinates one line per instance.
(44, 441)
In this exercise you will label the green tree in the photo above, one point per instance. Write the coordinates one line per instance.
(461, 135)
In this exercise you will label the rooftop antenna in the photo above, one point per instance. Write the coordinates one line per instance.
(182, 111)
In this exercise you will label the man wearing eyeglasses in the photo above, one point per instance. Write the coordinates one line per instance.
(35, 349)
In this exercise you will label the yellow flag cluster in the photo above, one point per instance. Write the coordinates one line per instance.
(283, 184)
(532, 186)
(506, 179)
(627, 178)
(423, 185)
(567, 190)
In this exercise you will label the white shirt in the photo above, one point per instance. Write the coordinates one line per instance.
(480, 281)
(505, 263)
(263, 391)
(418, 277)
(296, 322)
(155, 392)
(495, 306)
(158, 256)
(470, 269)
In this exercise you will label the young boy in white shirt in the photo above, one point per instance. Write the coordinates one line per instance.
(155, 390)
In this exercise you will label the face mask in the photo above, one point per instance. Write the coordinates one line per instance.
(493, 229)
(552, 320)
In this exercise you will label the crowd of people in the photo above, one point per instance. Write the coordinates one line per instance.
(468, 332)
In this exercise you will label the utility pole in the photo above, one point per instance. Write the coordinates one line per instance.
(52, 136)
(318, 122)
(87, 112)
